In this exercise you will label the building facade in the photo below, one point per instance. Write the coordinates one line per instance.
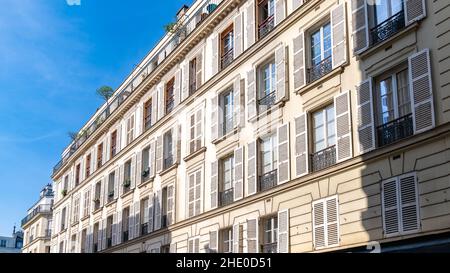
(37, 224)
(12, 244)
(269, 126)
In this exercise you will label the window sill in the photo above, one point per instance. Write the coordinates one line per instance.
(194, 154)
(97, 210)
(320, 81)
(129, 192)
(84, 218)
(173, 167)
(110, 203)
(148, 181)
(74, 224)
(229, 134)
(62, 231)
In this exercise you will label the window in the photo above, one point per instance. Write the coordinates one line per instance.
(97, 195)
(76, 209)
(61, 247)
(269, 162)
(226, 239)
(2, 243)
(77, 174)
(66, 183)
(164, 208)
(387, 18)
(325, 222)
(195, 142)
(73, 241)
(63, 219)
(320, 52)
(193, 245)
(148, 114)
(270, 234)
(169, 96)
(125, 223)
(168, 156)
(226, 102)
(226, 171)
(83, 246)
(226, 47)
(130, 129)
(266, 85)
(111, 181)
(194, 194)
(99, 156)
(145, 164)
(193, 76)
(127, 176)
(266, 10)
(400, 205)
(95, 236)
(393, 104)
(87, 202)
(109, 223)
(113, 144)
(144, 216)
(324, 138)
(88, 165)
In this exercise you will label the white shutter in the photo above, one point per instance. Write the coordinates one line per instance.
(390, 204)
(280, 11)
(319, 224)
(213, 241)
(214, 54)
(103, 191)
(214, 117)
(343, 126)
(138, 121)
(137, 218)
(159, 154)
(89, 241)
(133, 172)
(237, 32)
(238, 182)
(326, 222)
(171, 205)
(414, 10)
(119, 227)
(100, 235)
(119, 139)
(252, 236)
(237, 238)
(185, 80)
(332, 221)
(104, 234)
(157, 209)
(175, 143)
(251, 95)
(301, 145)
(138, 168)
(283, 153)
(191, 194)
(250, 25)
(360, 26)
(154, 106)
(114, 230)
(283, 231)
(177, 88)
(152, 158)
(365, 116)
(281, 75)
(421, 91)
(131, 222)
(161, 108)
(214, 184)
(118, 189)
(199, 73)
(107, 149)
(237, 109)
(409, 206)
(338, 35)
(252, 168)
(198, 128)
(296, 4)
(151, 204)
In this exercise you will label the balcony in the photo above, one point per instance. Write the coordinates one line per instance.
(268, 180)
(109, 242)
(48, 233)
(96, 203)
(148, 121)
(319, 70)
(267, 101)
(226, 197)
(39, 209)
(145, 175)
(168, 162)
(164, 222)
(387, 28)
(192, 87)
(395, 130)
(126, 185)
(266, 26)
(269, 248)
(227, 59)
(95, 246)
(323, 158)
(144, 228)
(125, 236)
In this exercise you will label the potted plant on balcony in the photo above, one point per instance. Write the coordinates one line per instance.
(64, 192)
(146, 172)
(96, 199)
(111, 194)
(126, 183)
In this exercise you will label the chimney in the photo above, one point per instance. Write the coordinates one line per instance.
(14, 230)
(182, 12)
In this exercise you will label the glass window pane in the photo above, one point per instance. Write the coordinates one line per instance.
(385, 101)
(381, 10)
(404, 101)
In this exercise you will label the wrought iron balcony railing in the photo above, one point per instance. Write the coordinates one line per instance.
(266, 26)
(164, 222)
(145, 174)
(144, 228)
(227, 58)
(323, 158)
(125, 236)
(267, 101)
(269, 248)
(226, 126)
(387, 28)
(192, 87)
(168, 161)
(148, 121)
(226, 197)
(39, 209)
(395, 130)
(319, 70)
(109, 242)
(268, 180)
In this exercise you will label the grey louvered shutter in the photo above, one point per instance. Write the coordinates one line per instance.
(365, 116)
(131, 222)
(414, 10)
(319, 224)
(283, 231)
(176, 134)
(237, 32)
(177, 88)
(343, 126)
(339, 35)
(332, 220)
(191, 194)
(171, 204)
(283, 154)
(89, 242)
(137, 219)
(421, 91)
(296, 4)
(237, 108)
(114, 230)
(252, 236)
(159, 154)
(360, 26)
(214, 184)
(299, 62)
(100, 235)
(252, 168)
(213, 241)
(103, 191)
(138, 168)
(119, 139)
(238, 182)
(281, 75)
(301, 145)
(106, 150)
(390, 204)
(215, 54)
(214, 117)
(280, 11)
(119, 227)
(250, 25)
(152, 158)
(118, 189)
(151, 205)
(157, 209)
(237, 228)
(251, 95)
(104, 234)
(185, 81)
(154, 107)
(133, 172)
(161, 108)
(199, 73)
(409, 205)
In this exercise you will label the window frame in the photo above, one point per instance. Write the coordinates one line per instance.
(325, 124)
(148, 114)
(229, 92)
(169, 96)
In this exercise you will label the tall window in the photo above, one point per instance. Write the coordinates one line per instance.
(148, 114)
(113, 144)
(385, 9)
(144, 216)
(127, 176)
(108, 230)
(125, 223)
(63, 219)
(111, 181)
(87, 202)
(266, 10)
(324, 138)
(194, 190)
(88, 165)
(226, 239)
(168, 154)
(130, 129)
(227, 106)
(164, 222)
(76, 210)
(267, 85)
(66, 183)
(97, 194)
(193, 76)
(99, 156)
(270, 235)
(169, 95)
(269, 162)
(145, 164)
(77, 174)
(226, 180)
(386, 17)
(195, 138)
(83, 241)
(226, 47)
(320, 52)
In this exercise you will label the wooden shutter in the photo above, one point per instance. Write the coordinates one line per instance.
(157, 209)
(409, 206)
(343, 126)
(175, 141)
(237, 238)
(119, 227)
(280, 11)
(214, 54)
(199, 73)
(89, 242)
(326, 222)
(159, 154)
(191, 194)
(252, 236)
(332, 221)
(138, 168)
(151, 204)
(214, 117)
(118, 188)
(283, 154)
(360, 26)
(198, 128)
(185, 80)
(390, 204)
(319, 224)
(131, 222)
(301, 145)
(283, 231)
(177, 88)
(365, 116)
(133, 172)
(281, 75)
(237, 109)
(250, 25)
(238, 182)
(119, 139)
(252, 168)
(214, 183)
(152, 158)
(161, 104)
(251, 95)
(171, 204)
(213, 241)
(103, 191)
(198, 180)
(138, 120)
(137, 218)
(105, 150)
(237, 32)
(414, 10)
(114, 230)
(154, 107)
(299, 62)
(296, 4)
(100, 235)
(104, 234)
(339, 35)
(421, 93)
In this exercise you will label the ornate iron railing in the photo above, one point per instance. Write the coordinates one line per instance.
(192, 87)
(168, 161)
(395, 130)
(387, 28)
(269, 248)
(266, 26)
(36, 211)
(268, 100)
(227, 58)
(109, 242)
(125, 236)
(226, 197)
(319, 70)
(323, 158)
(268, 180)
(164, 222)
(144, 228)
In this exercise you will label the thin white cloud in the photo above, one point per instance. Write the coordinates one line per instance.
(73, 2)
(25, 139)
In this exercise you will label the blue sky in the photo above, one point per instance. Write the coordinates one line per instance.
(53, 56)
